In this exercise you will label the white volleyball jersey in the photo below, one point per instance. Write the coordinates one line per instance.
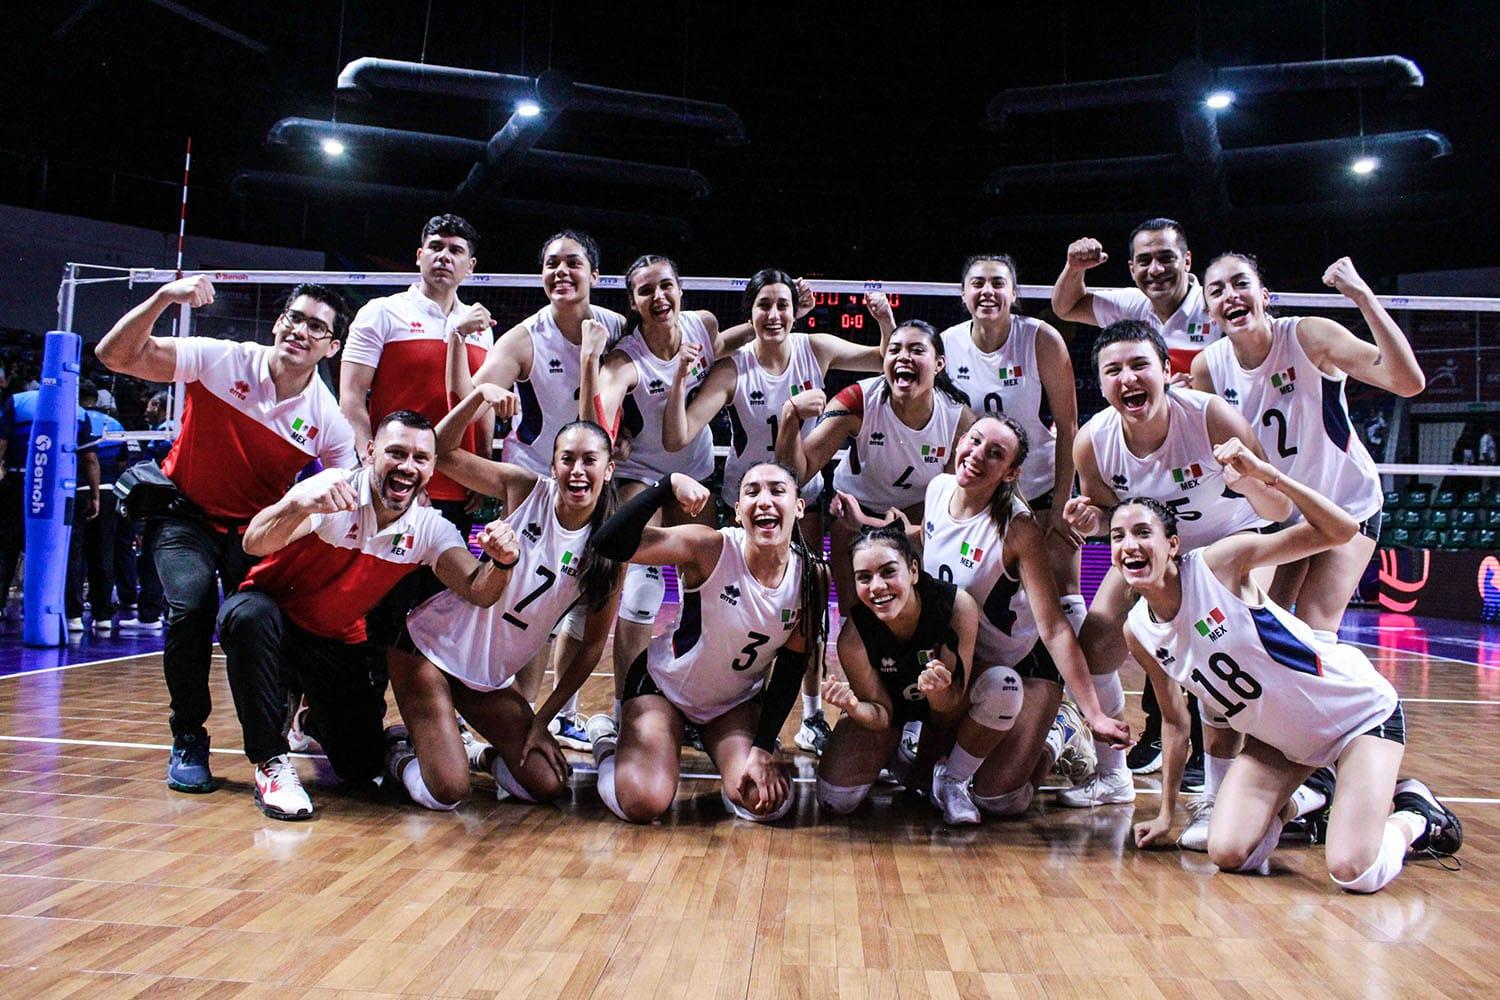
(1181, 473)
(1187, 332)
(890, 464)
(755, 410)
(549, 397)
(1262, 671)
(649, 459)
(484, 647)
(727, 635)
(971, 554)
(1300, 416)
(1008, 381)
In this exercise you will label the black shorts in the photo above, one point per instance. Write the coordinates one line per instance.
(1370, 528)
(1043, 502)
(1394, 726)
(638, 681)
(1038, 665)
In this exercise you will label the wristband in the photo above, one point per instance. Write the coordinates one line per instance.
(509, 565)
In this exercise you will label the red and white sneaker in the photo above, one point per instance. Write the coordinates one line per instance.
(278, 790)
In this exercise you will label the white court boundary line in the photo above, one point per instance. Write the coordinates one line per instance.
(578, 769)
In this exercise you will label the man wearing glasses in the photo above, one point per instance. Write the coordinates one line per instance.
(253, 418)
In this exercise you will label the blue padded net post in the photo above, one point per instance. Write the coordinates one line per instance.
(50, 486)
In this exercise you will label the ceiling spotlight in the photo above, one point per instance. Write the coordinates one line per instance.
(332, 146)
(1364, 165)
(1219, 100)
(528, 109)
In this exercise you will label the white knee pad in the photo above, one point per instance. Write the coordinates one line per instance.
(1074, 611)
(411, 777)
(841, 799)
(641, 596)
(1012, 803)
(746, 814)
(606, 786)
(1111, 693)
(507, 781)
(571, 624)
(1386, 867)
(995, 698)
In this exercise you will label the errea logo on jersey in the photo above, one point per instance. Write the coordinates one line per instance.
(555, 366)
(531, 532)
(570, 562)
(1119, 482)
(1187, 477)
(655, 387)
(730, 595)
(757, 397)
(402, 544)
(1231, 397)
(240, 389)
(962, 373)
(1285, 381)
(1212, 625)
(302, 431)
(970, 555)
(1165, 655)
(877, 439)
(887, 665)
(932, 454)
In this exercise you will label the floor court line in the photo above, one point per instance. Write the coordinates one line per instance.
(577, 768)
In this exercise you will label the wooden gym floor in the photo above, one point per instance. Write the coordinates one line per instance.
(112, 885)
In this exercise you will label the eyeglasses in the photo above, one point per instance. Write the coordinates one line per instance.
(316, 328)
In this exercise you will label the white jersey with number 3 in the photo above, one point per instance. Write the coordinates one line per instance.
(484, 647)
(890, 464)
(727, 635)
(1263, 671)
(1008, 381)
(971, 554)
(756, 408)
(1182, 473)
(1299, 415)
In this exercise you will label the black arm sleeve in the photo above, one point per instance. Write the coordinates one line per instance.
(779, 696)
(620, 536)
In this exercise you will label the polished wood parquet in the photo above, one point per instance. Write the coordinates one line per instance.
(112, 885)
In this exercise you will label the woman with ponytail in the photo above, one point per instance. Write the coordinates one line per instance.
(454, 656)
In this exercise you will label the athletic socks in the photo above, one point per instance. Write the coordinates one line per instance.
(962, 764)
(1214, 770)
(812, 704)
(1112, 702)
(1307, 800)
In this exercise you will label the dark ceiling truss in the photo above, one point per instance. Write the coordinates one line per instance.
(1203, 163)
(511, 152)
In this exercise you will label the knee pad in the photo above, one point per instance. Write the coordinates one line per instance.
(507, 781)
(641, 596)
(1012, 803)
(1262, 853)
(606, 785)
(995, 698)
(1074, 611)
(743, 813)
(411, 777)
(842, 799)
(572, 623)
(1111, 693)
(1386, 867)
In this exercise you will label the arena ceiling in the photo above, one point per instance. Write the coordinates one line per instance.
(866, 156)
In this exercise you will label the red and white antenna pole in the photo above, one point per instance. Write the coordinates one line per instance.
(187, 164)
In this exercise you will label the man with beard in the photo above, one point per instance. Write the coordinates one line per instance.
(334, 546)
(253, 418)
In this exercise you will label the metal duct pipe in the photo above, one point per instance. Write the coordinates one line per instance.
(505, 152)
(1322, 74)
(1415, 143)
(306, 133)
(1162, 165)
(300, 187)
(552, 89)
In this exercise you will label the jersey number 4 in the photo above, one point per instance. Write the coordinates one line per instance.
(548, 579)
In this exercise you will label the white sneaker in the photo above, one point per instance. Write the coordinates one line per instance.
(954, 798)
(1105, 788)
(911, 741)
(134, 624)
(475, 749)
(1078, 759)
(75, 624)
(278, 790)
(814, 733)
(1195, 837)
(102, 626)
(604, 734)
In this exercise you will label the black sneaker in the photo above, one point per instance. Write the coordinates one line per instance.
(692, 738)
(1444, 834)
(1193, 780)
(1316, 823)
(1145, 756)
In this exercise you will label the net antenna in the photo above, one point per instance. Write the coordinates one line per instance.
(182, 313)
